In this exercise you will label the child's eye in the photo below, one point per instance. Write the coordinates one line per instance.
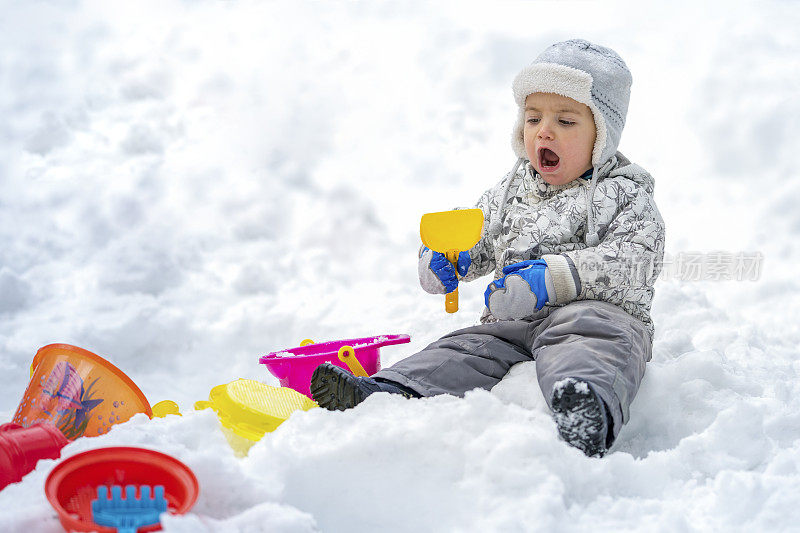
(533, 121)
(566, 122)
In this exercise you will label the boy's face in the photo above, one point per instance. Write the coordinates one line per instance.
(559, 136)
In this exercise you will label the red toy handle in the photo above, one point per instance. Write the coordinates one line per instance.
(21, 448)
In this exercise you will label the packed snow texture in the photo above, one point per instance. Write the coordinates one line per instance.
(185, 187)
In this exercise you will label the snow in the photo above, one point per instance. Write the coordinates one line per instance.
(283, 354)
(185, 187)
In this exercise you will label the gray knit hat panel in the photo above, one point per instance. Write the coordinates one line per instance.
(588, 73)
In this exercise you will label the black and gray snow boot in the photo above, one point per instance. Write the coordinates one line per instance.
(582, 417)
(335, 388)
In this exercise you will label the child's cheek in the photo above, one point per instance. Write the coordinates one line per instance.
(530, 150)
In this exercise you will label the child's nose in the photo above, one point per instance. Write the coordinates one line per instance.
(545, 130)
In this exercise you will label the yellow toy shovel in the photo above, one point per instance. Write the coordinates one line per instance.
(451, 232)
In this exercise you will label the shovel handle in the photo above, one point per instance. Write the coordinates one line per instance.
(451, 298)
(451, 301)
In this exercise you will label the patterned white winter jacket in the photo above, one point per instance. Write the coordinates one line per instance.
(617, 260)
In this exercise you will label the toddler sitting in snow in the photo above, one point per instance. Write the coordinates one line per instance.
(576, 242)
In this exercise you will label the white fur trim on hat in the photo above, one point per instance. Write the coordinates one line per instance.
(558, 79)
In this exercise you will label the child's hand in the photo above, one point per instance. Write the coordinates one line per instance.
(436, 273)
(521, 292)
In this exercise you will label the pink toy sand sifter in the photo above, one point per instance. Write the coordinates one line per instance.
(294, 367)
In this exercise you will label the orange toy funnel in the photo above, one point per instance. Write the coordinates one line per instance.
(79, 392)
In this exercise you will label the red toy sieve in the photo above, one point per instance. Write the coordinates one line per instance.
(72, 485)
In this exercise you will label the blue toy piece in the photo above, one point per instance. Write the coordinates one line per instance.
(130, 513)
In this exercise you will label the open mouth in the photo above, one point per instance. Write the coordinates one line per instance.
(548, 160)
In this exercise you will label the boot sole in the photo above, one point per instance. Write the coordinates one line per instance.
(580, 418)
(335, 389)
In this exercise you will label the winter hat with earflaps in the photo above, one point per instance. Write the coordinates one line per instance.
(590, 74)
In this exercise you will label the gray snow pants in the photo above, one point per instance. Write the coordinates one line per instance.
(593, 341)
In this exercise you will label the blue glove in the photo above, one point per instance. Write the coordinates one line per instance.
(520, 293)
(436, 273)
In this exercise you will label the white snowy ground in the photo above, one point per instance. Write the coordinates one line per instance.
(187, 186)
